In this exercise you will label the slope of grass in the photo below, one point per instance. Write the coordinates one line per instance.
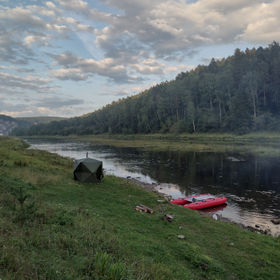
(52, 227)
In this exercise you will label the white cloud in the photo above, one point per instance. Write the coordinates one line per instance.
(77, 68)
(79, 6)
(21, 18)
(29, 82)
(75, 24)
(140, 29)
(130, 41)
(166, 27)
(69, 74)
(20, 29)
(149, 66)
(262, 23)
(40, 39)
(52, 106)
(50, 5)
(76, 5)
(42, 11)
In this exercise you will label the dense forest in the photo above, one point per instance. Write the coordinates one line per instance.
(237, 94)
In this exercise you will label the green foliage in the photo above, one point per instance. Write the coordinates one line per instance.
(237, 94)
(107, 269)
(20, 163)
(24, 208)
(62, 218)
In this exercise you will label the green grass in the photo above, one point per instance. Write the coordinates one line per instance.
(52, 227)
(255, 143)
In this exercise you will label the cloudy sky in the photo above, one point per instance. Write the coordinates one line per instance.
(70, 57)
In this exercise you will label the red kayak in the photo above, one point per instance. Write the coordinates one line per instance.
(200, 201)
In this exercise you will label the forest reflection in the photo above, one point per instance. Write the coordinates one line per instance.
(250, 179)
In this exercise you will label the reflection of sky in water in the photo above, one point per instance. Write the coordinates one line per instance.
(171, 189)
(249, 218)
(131, 164)
(231, 211)
(111, 163)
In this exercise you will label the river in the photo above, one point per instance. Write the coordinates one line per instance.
(250, 182)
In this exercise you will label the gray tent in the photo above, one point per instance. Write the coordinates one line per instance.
(88, 170)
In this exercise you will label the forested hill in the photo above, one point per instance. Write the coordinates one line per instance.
(7, 124)
(240, 94)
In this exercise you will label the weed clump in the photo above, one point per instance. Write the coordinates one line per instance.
(20, 163)
(26, 210)
(106, 268)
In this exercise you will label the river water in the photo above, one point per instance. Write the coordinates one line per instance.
(250, 182)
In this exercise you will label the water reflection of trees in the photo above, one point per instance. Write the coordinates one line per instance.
(214, 170)
(243, 176)
(253, 177)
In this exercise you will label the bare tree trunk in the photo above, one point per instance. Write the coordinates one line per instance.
(254, 104)
(220, 112)
(177, 112)
(193, 125)
(264, 96)
(211, 104)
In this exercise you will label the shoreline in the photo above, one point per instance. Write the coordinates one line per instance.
(264, 227)
(152, 188)
(262, 144)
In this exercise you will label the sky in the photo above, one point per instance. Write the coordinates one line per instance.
(71, 57)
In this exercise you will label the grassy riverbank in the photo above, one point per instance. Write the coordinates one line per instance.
(52, 227)
(255, 143)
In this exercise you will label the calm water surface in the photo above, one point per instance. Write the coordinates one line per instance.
(251, 183)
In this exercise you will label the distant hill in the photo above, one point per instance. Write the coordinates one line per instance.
(8, 124)
(40, 120)
(240, 93)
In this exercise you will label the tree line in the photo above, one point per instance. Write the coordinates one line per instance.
(240, 94)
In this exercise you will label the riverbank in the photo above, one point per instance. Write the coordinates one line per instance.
(255, 143)
(53, 227)
(154, 188)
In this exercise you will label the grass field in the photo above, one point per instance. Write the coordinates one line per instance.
(52, 227)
